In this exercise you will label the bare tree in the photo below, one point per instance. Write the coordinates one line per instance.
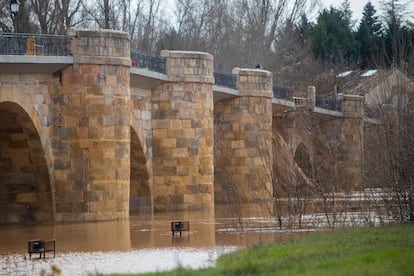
(23, 19)
(68, 15)
(147, 40)
(260, 22)
(47, 17)
(103, 14)
(45, 12)
(6, 17)
(238, 33)
(196, 19)
(389, 157)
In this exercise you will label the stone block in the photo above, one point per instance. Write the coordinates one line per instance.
(91, 217)
(182, 171)
(180, 152)
(161, 200)
(163, 124)
(176, 124)
(97, 207)
(73, 196)
(26, 197)
(123, 174)
(111, 80)
(168, 142)
(192, 189)
(173, 181)
(187, 161)
(174, 133)
(109, 153)
(73, 217)
(188, 133)
(237, 144)
(207, 179)
(92, 196)
(18, 137)
(81, 132)
(158, 180)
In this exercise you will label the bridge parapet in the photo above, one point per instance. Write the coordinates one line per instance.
(182, 132)
(183, 66)
(353, 106)
(100, 47)
(254, 82)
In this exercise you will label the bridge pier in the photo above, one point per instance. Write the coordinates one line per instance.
(243, 138)
(91, 128)
(350, 156)
(182, 133)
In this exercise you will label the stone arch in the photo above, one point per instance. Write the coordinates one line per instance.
(303, 160)
(25, 190)
(140, 200)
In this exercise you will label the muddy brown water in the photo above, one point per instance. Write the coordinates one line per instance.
(140, 244)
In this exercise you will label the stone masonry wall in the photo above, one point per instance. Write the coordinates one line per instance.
(243, 135)
(352, 140)
(333, 145)
(25, 154)
(91, 125)
(182, 129)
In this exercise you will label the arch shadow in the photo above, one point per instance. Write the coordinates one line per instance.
(303, 160)
(141, 199)
(25, 186)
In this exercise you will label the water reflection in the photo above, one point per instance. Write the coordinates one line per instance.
(141, 232)
(85, 237)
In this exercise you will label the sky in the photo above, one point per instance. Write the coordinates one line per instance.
(357, 6)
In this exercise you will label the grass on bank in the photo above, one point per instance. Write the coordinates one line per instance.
(359, 251)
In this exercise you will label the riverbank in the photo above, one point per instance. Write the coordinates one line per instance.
(387, 250)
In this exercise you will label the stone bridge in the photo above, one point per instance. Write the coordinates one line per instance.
(91, 131)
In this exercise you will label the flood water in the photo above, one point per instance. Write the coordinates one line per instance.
(140, 244)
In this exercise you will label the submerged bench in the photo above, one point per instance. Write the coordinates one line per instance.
(179, 226)
(41, 247)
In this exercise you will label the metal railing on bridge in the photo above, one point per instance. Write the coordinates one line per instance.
(329, 103)
(148, 62)
(324, 102)
(157, 64)
(34, 45)
(282, 92)
(224, 79)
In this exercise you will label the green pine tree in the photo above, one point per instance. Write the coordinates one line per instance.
(333, 39)
(369, 37)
